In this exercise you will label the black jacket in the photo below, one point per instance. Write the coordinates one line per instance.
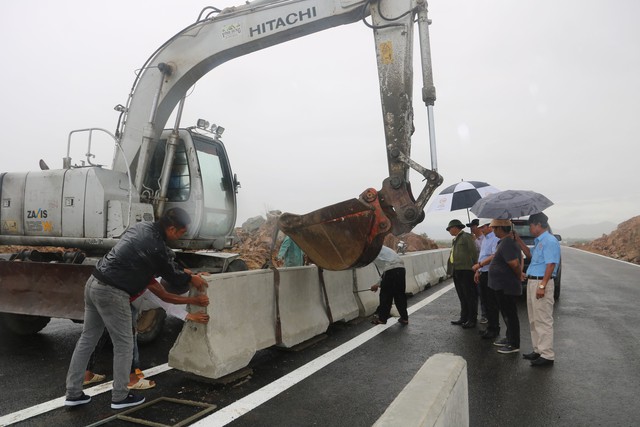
(140, 255)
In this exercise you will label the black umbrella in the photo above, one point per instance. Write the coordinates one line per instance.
(511, 204)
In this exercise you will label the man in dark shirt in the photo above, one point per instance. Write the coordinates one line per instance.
(504, 278)
(140, 254)
(464, 255)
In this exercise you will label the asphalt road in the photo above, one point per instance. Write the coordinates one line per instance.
(594, 381)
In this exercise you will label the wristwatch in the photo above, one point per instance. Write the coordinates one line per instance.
(541, 286)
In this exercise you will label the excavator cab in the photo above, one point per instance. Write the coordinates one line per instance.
(200, 182)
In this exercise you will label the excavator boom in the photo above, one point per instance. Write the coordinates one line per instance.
(343, 235)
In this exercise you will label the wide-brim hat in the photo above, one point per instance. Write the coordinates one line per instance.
(455, 223)
(501, 223)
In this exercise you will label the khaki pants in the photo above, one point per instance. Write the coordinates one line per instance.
(540, 313)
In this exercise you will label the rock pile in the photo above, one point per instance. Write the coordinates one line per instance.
(412, 242)
(623, 243)
(255, 241)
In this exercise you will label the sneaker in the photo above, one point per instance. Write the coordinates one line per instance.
(130, 400)
(508, 349)
(75, 401)
(483, 320)
(501, 342)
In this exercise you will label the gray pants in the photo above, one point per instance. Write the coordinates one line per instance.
(104, 306)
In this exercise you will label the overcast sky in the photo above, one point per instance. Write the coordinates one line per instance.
(535, 95)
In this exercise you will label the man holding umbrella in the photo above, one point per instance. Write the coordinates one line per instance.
(545, 259)
(487, 295)
(464, 255)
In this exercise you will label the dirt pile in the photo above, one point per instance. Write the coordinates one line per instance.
(623, 243)
(255, 239)
(413, 242)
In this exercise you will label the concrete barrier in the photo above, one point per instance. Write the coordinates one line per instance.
(436, 396)
(243, 314)
(426, 271)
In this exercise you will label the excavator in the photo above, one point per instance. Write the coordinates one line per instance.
(85, 208)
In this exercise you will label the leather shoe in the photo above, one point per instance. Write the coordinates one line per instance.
(541, 361)
(531, 356)
(469, 325)
(458, 322)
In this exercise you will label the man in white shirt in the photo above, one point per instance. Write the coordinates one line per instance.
(392, 286)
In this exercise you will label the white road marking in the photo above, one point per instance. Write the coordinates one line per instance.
(40, 409)
(247, 403)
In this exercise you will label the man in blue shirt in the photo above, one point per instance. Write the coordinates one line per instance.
(487, 295)
(545, 259)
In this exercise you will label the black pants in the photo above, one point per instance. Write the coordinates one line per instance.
(465, 288)
(392, 289)
(509, 312)
(490, 302)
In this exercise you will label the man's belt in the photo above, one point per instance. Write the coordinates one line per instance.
(537, 277)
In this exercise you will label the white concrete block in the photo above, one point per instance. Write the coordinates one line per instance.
(413, 286)
(365, 277)
(242, 320)
(342, 299)
(437, 396)
(302, 307)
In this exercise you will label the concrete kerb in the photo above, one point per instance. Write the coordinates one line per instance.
(436, 396)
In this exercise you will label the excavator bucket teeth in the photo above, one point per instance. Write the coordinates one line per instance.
(346, 235)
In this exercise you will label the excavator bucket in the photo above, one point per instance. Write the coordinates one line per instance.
(346, 235)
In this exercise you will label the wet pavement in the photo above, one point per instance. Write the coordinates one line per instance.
(593, 382)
